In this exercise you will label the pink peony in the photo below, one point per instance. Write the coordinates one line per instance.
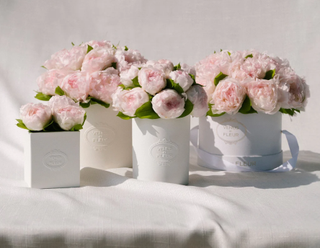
(152, 80)
(294, 91)
(35, 116)
(165, 65)
(128, 101)
(95, 44)
(57, 102)
(126, 59)
(66, 112)
(51, 79)
(255, 66)
(208, 68)
(263, 95)
(76, 86)
(228, 97)
(103, 84)
(182, 78)
(67, 59)
(189, 69)
(168, 104)
(126, 76)
(98, 59)
(197, 95)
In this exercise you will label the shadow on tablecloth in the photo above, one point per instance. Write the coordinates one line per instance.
(307, 172)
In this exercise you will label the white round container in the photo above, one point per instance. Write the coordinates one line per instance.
(241, 141)
(161, 150)
(105, 140)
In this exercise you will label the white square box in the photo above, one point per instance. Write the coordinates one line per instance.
(52, 159)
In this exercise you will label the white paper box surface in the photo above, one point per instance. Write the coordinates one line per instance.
(161, 150)
(52, 159)
(249, 140)
(105, 139)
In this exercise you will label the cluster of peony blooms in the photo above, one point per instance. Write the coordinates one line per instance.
(158, 89)
(60, 114)
(250, 82)
(88, 73)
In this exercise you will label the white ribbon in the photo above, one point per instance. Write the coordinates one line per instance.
(217, 162)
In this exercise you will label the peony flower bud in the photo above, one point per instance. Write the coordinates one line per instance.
(66, 112)
(152, 80)
(197, 95)
(35, 116)
(182, 78)
(128, 101)
(126, 76)
(293, 90)
(168, 104)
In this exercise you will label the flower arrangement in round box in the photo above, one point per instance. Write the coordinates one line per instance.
(247, 93)
(90, 74)
(160, 99)
(52, 145)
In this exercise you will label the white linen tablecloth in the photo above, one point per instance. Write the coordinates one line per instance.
(217, 209)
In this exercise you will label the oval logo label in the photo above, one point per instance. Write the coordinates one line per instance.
(164, 151)
(231, 131)
(101, 135)
(55, 159)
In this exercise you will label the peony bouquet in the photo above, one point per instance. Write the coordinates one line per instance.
(88, 73)
(61, 114)
(158, 89)
(250, 82)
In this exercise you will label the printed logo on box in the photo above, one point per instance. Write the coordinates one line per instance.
(100, 136)
(231, 131)
(164, 151)
(55, 159)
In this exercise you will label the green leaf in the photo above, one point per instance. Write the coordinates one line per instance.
(146, 112)
(44, 67)
(126, 48)
(172, 85)
(270, 74)
(219, 77)
(102, 103)
(113, 46)
(247, 107)
(248, 56)
(89, 48)
(48, 124)
(188, 108)
(85, 104)
(42, 97)
(76, 127)
(59, 91)
(114, 65)
(209, 113)
(21, 124)
(72, 43)
(229, 53)
(290, 112)
(135, 82)
(123, 116)
(177, 67)
(84, 118)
